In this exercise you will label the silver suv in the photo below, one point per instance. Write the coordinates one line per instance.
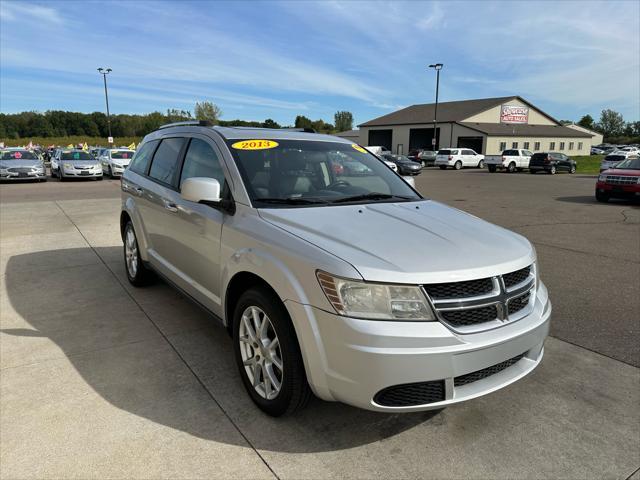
(275, 234)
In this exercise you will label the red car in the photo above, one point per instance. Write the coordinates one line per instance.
(620, 182)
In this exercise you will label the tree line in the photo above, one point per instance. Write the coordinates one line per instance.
(58, 123)
(613, 127)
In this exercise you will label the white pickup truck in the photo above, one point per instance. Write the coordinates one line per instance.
(510, 160)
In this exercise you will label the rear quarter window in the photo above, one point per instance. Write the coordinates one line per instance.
(511, 153)
(142, 157)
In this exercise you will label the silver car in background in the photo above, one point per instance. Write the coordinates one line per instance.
(115, 160)
(291, 253)
(74, 163)
(21, 164)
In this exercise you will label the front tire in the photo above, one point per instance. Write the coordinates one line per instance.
(267, 353)
(572, 169)
(552, 171)
(137, 273)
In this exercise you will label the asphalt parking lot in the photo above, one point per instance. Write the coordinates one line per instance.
(98, 379)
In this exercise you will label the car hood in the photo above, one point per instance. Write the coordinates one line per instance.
(408, 242)
(623, 172)
(20, 163)
(81, 163)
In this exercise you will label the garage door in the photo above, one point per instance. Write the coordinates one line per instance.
(422, 138)
(381, 138)
(474, 143)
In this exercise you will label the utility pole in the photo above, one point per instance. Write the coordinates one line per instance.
(437, 67)
(104, 73)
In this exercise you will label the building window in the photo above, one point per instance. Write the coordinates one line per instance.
(552, 145)
(579, 145)
(514, 145)
(536, 146)
(526, 145)
(570, 145)
(503, 146)
(561, 146)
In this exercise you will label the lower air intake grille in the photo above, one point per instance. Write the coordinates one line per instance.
(459, 318)
(411, 394)
(485, 372)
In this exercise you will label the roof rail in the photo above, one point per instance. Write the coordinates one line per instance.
(197, 123)
(305, 129)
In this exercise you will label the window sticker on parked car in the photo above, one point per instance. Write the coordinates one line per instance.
(254, 144)
(358, 148)
(17, 155)
(76, 156)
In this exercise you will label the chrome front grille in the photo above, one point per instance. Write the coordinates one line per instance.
(476, 305)
(621, 180)
(21, 169)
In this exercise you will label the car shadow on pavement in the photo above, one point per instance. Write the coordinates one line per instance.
(591, 199)
(153, 353)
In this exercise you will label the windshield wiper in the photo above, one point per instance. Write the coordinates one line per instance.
(370, 196)
(290, 201)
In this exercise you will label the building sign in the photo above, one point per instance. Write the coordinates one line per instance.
(514, 114)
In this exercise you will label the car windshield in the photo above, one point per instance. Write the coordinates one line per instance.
(281, 173)
(18, 155)
(76, 156)
(122, 154)
(629, 164)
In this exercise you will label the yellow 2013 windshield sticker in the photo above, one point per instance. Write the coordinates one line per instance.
(358, 148)
(254, 144)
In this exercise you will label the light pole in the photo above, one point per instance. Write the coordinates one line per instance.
(437, 67)
(104, 73)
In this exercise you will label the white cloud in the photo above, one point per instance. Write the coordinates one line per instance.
(15, 11)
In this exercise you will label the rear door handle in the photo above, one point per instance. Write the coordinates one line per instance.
(172, 207)
(139, 191)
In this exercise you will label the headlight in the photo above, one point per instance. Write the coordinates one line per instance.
(375, 301)
(602, 178)
(4, 170)
(67, 165)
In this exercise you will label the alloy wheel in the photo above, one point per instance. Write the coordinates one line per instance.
(131, 252)
(260, 351)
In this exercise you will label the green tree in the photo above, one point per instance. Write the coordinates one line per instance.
(303, 122)
(611, 123)
(269, 123)
(343, 121)
(208, 111)
(587, 122)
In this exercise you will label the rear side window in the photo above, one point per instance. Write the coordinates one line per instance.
(537, 156)
(165, 161)
(511, 153)
(142, 157)
(444, 152)
(201, 161)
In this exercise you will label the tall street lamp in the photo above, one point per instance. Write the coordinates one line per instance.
(437, 67)
(104, 73)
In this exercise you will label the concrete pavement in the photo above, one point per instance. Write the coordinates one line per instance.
(99, 379)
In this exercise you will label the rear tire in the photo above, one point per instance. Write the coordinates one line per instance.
(492, 168)
(137, 273)
(481, 164)
(511, 168)
(289, 390)
(552, 171)
(602, 197)
(458, 165)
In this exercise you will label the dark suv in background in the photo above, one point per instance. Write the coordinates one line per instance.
(551, 162)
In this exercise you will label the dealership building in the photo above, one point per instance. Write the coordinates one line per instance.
(488, 126)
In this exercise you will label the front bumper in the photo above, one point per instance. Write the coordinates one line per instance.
(621, 191)
(13, 176)
(352, 360)
(118, 170)
(82, 173)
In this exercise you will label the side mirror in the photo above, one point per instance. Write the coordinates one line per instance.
(201, 189)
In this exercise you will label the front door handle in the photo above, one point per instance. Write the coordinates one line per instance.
(172, 207)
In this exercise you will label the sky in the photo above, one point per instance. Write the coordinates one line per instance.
(260, 59)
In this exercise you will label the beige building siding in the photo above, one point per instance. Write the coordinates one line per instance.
(596, 138)
(493, 144)
(493, 115)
